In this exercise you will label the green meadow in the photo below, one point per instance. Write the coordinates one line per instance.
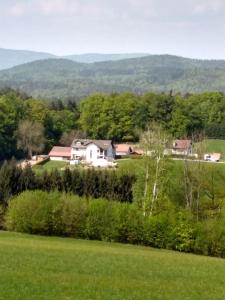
(34, 267)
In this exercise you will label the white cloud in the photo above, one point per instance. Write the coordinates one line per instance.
(48, 7)
(210, 6)
(18, 9)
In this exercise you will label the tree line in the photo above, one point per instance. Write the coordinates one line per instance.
(29, 126)
(93, 183)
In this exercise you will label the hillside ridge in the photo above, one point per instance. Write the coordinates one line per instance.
(63, 78)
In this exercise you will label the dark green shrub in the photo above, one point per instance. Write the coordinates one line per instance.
(92, 183)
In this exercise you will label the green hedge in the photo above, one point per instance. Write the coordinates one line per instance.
(61, 214)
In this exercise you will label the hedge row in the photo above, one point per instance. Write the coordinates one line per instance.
(90, 183)
(67, 215)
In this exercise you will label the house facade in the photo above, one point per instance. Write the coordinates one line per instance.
(92, 150)
(182, 147)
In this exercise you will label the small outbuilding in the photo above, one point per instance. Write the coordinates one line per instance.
(60, 153)
(182, 147)
(123, 149)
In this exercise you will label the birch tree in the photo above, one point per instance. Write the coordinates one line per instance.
(154, 141)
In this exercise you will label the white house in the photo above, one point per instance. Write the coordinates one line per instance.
(92, 150)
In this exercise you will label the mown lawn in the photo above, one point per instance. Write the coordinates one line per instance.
(51, 165)
(34, 267)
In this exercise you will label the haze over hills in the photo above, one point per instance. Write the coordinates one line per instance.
(10, 58)
(98, 57)
(62, 78)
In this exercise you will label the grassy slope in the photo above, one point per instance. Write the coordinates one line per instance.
(56, 268)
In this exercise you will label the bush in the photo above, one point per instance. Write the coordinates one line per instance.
(61, 214)
(74, 212)
(182, 236)
(156, 231)
(130, 224)
(101, 221)
(210, 238)
(34, 212)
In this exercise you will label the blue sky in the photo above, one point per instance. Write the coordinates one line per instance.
(191, 28)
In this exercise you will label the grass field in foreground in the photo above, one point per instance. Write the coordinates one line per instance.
(34, 267)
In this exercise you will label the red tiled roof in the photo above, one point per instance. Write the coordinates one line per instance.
(123, 148)
(182, 144)
(60, 151)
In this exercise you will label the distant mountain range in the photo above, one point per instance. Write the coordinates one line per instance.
(63, 78)
(11, 58)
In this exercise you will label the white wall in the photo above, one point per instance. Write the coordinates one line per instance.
(79, 152)
(122, 153)
(92, 152)
(58, 158)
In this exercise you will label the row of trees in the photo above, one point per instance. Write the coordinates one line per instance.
(30, 125)
(89, 183)
(124, 116)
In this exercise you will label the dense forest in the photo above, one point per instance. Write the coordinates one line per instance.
(122, 117)
(63, 78)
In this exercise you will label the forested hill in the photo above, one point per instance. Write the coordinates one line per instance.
(61, 78)
(10, 58)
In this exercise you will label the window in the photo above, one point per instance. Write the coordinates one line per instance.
(90, 153)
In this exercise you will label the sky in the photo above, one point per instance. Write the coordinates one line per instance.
(190, 28)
